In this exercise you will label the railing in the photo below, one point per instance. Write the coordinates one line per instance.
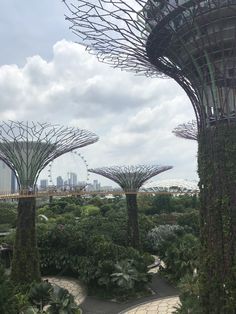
(48, 193)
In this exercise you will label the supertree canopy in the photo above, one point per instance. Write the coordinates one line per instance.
(187, 130)
(190, 41)
(193, 42)
(28, 147)
(130, 179)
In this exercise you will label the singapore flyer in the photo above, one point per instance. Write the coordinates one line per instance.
(68, 172)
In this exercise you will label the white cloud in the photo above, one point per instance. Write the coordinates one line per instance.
(133, 116)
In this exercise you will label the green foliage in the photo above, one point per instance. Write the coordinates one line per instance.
(180, 256)
(9, 238)
(185, 203)
(163, 219)
(91, 248)
(189, 297)
(62, 302)
(145, 225)
(57, 300)
(8, 302)
(60, 244)
(40, 294)
(96, 268)
(125, 274)
(46, 211)
(96, 201)
(145, 204)
(162, 204)
(8, 213)
(31, 310)
(90, 210)
(190, 219)
(105, 208)
(5, 227)
(157, 236)
(68, 248)
(177, 248)
(167, 204)
(22, 300)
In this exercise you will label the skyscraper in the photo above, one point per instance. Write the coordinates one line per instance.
(6, 177)
(72, 178)
(43, 184)
(59, 182)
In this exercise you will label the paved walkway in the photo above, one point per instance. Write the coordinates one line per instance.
(72, 285)
(163, 301)
(163, 306)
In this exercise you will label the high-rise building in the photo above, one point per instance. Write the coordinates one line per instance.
(13, 182)
(43, 184)
(5, 178)
(96, 185)
(72, 178)
(59, 182)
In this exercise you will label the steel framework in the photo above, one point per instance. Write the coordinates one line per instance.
(27, 147)
(130, 179)
(190, 41)
(187, 130)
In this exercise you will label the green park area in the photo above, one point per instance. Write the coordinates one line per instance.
(85, 238)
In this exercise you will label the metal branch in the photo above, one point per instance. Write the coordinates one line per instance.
(190, 41)
(130, 178)
(28, 147)
(187, 130)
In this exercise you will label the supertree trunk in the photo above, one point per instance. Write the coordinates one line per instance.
(133, 226)
(25, 264)
(217, 172)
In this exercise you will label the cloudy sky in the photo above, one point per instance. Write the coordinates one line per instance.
(45, 76)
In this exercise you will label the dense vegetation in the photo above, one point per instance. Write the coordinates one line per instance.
(87, 238)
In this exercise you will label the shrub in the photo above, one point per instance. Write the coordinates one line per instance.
(162, 204)
(180, 255)
(125, 274)
(190, 219)
(90, 210)
(158, 235)
(57, 300)
(189, 296)
(61, 301)
(8, 213)
(165, 219)
(8, 302)
(102, 260)
(68, 248)
(5, 227)
(40, 294)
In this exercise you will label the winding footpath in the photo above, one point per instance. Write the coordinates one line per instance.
(158, 303)
(163, 306)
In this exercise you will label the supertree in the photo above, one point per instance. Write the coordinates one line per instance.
(193, 42)
(130, 179)
(187, 130)
(27, 148)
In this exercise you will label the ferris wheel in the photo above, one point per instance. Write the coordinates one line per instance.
(68, 172)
